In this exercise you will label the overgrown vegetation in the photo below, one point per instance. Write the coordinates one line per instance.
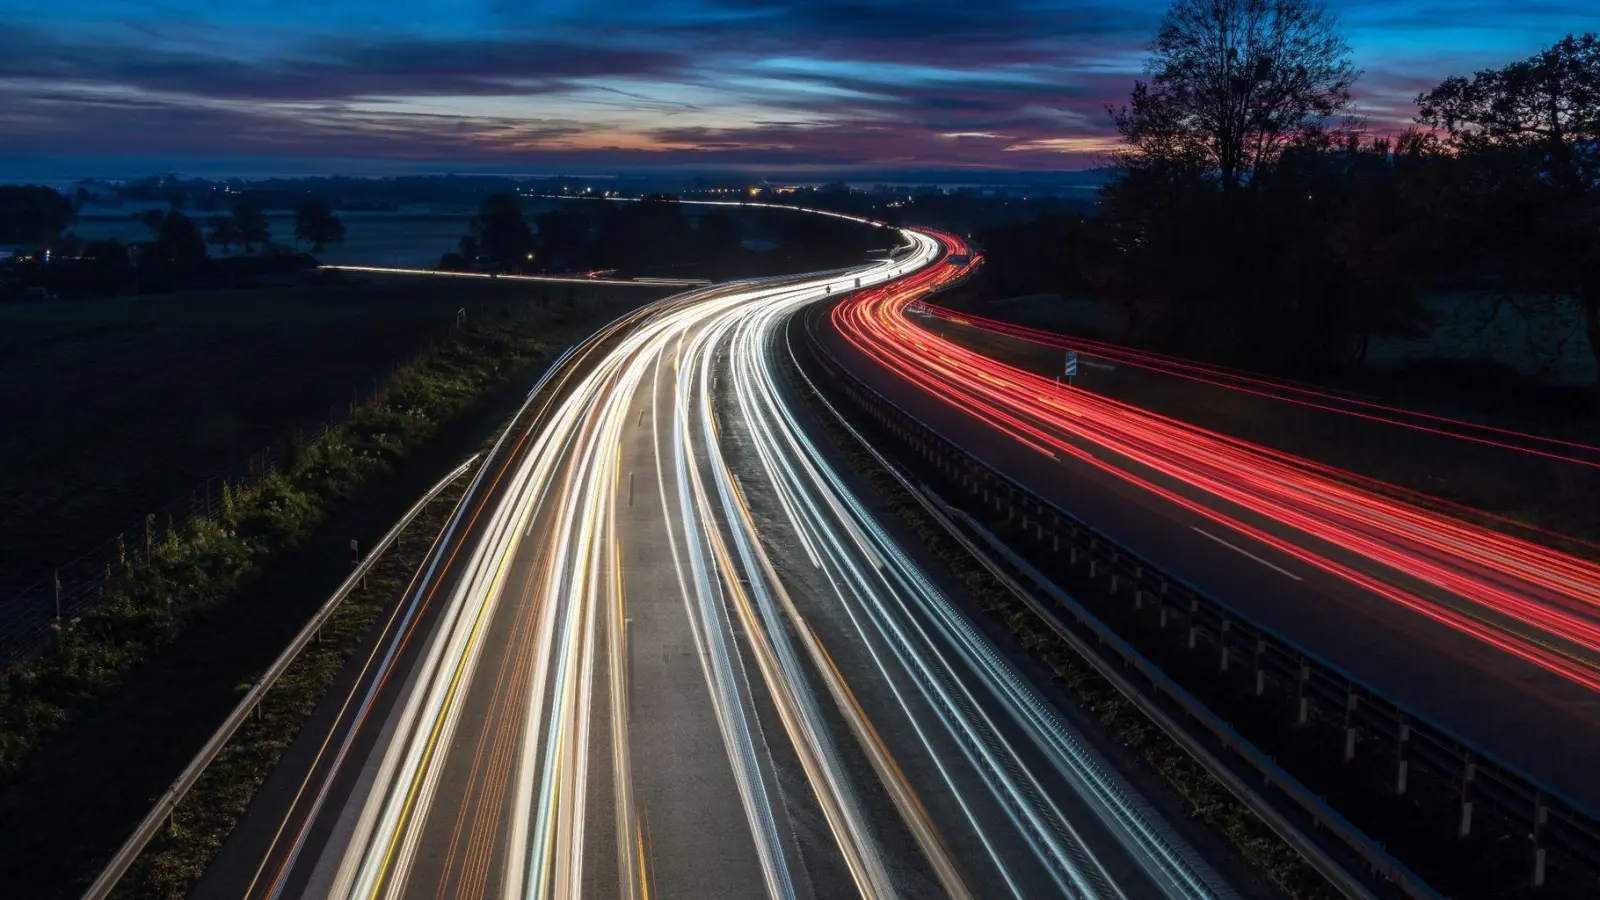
(655, 235)
(1254, 220)
(132, 402)
(197, 565)
(175, 860)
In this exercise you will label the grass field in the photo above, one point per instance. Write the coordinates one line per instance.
(93, 729)
(111, 408)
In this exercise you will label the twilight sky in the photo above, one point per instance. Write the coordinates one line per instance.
(764, 84)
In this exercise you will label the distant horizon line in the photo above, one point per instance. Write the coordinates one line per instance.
(68, 170)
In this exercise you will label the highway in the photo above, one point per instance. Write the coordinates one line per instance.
(1495, 637)
(665, 649)
(537, 279)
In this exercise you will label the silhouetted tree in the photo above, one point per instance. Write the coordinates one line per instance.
(650, 233)
(1055, 253)
(1234, 82)
(152, 219)
(180, 244)
(315, 222)
(67, 245)
(1247, 221)
(563, 240)
(222, 231)
(1547, 106)
(252, 225)
(1381, 234)
(107, 266)
(501, 231)
(1528, 135)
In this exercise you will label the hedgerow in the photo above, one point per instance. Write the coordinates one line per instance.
(199, 564)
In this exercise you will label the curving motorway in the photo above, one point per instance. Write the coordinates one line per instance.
(665, 649)
(1495, 637)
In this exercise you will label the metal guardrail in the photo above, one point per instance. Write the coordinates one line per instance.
(168, 803)
(1165, 697)
(1550, 818)
(135, 844)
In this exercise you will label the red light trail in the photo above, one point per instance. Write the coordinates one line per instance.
(1293, 392)
(1531, 601)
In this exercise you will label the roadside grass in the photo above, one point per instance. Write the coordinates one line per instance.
(200, 563)
(175, 859)
(93, 730)
(112, 408)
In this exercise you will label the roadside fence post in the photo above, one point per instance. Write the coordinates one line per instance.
(1302, 701)
(1350, 725)
(1541, 814)
(1401, 763)
(1261, 674)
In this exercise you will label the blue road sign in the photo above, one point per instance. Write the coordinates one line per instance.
(1072, 363)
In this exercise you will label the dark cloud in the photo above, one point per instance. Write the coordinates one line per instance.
(848, 142)
(831, 82)
(204, 101)
(944, 33)
(948, 24)
(56, 122)
(329, 70)
(1034, 110)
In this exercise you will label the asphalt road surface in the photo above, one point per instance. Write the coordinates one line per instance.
(1492, 641)
(664, 650)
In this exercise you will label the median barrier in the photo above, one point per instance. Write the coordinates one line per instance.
(1369, 721)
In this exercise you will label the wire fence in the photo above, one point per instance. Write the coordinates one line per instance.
(32, 613)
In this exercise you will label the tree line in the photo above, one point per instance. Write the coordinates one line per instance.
(651, 236)
(175, 255)
(1253, 219)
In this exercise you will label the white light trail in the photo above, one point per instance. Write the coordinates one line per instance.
(718, 353)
